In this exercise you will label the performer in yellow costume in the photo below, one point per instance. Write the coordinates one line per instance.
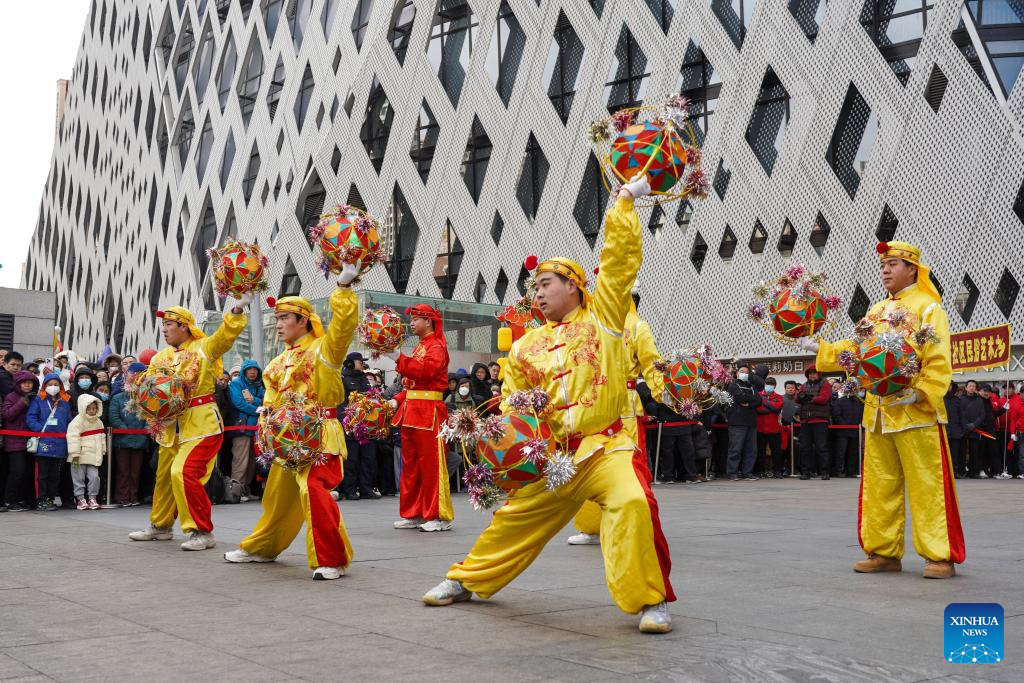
(905, 442)
(578, 357)
(189, 445)
(311, 366)
(641, 353)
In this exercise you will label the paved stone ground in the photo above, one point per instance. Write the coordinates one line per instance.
(762, 570)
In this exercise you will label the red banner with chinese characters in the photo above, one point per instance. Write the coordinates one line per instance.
(988, 347)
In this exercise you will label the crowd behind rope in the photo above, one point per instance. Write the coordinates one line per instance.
(770, 431)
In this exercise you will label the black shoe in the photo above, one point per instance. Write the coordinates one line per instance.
(351, 496)
(750, 477)
(372, 494)
(19, 507)
(825, 477)
(805, 477)
(733, 477)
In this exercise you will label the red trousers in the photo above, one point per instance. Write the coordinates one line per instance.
(424, 488)
(181, 473)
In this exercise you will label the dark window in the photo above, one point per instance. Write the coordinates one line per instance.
(627, 77)
(501, 285)
(699, 84)
(808, 14)
(597, 6)
(532, 177)
(251, 171)
(767, 127)
(400, 29)
(721, 179)
(271, 17)
(155, 283)
(935, 281)
(204, 65)
(591, 201)
(476, 158)
(563, 66)
(735, 16)
(506, 52)
(1006, 293)
(662, 11)
(6, 331)
(451, 44)
(887, 225)
(291, 283)
(758, 238)
(311, 203)
(186, 127)
(698, 252)
(227, 160)
(206, 238)
(185, 47)
(966, 299)
(497, 227)
(298, 17)
(521, 282)
(448, 261)
(1018, 204)
(305, 96)
(657, 220)
(852, 141)
(937, 83)
(360, 21)
(727, 247)
(683, 214)
(407, 234)
(819, 234)
(859, 304)
(205, 147)
(376, 124)
(227, 72)
(355, 198)
(274, 91)
(1000, 26)
(424, 141)
(479, 289)
(787, 239)
(896, 27)
(249, 83)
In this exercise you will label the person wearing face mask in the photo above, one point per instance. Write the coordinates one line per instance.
(49, 412)
(360, 481)
(462, 397)
(742, 419)
(84, 382)
(848, 410)
(769, 430)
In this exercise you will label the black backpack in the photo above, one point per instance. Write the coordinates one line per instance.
(215, 487)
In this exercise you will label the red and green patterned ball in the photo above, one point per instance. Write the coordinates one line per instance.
(291, 433)
(381, 329)
(368, 415)
(797, 317)
(238, 269)
(876, 369)
(342, 241)
(636, 146)
(679, 378)
(160, 396)
(505, 458)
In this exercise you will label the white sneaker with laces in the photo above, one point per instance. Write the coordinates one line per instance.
(153, 533)
(982, 475)
(328, 573)
(1020, 476)
(199, 540)
(585, 539)
(436, 525)
(413, 523)
(447, 592)
(655, 619)
(241, 556)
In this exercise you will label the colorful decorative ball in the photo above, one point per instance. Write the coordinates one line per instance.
(290, 432)
(368, 416)
(511, 467)
(381, 329)
(345, 236)
(159, 397)
(877, 368)
(796, 317)
(680, 376)
(238, 268)
(644, 143)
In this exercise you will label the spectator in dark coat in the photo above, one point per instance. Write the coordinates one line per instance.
(84, 382)
(480, 379)
(11, 366)
(676, 457)
(129, 449)
(815, 399)
(19, 460)
(742, 418)
(360, 479)
(955, 429)
(847, 410)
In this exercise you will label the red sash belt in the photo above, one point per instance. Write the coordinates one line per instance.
(631, 384)
(201, 400)
(611, 430)
(329, 413)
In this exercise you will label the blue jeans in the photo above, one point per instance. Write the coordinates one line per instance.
(742, 450)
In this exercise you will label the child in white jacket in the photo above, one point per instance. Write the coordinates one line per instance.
(87, 445)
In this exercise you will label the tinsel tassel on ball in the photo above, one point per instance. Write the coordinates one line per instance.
(559, 470)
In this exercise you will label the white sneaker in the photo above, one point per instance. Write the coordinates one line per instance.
(153, 533)
(240, 556)
(655, 619)
(585, 539)
(199, 540)
(982, 475)
(1020, 476)
(334, 495)
(413, 523)
(328, 573)
(436, 525)
(1003, 475)
(447, 592)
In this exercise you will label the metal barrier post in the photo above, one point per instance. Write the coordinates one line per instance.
(792, 452)
(657, 453)
(110, 471)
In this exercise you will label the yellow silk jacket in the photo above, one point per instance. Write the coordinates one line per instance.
(197, 362)
(312, 367)
(641, 353)
(581, 361)
(936, 372)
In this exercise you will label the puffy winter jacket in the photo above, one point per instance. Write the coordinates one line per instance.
(15, 411)
(955, 416)
(39, 415)
(974, 410)
(815, 399)
(768, 413)
(745, 400)
(246, 409)
(847, 410)
(86, 437)
(120, 418)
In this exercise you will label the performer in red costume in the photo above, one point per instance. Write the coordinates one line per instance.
(425, 501)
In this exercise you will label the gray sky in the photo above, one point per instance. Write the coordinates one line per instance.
(38, 45)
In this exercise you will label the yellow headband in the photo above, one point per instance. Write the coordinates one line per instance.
(300, 306)
(568, 269)
(182, 316)
(911, 254)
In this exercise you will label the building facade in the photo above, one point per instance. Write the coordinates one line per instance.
(462, 125)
